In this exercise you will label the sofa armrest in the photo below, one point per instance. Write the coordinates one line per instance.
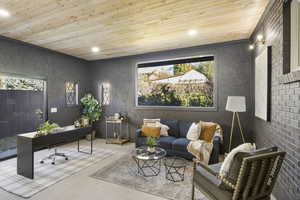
(139, 139)
(204, 166)
(138, 133)
(216, 151)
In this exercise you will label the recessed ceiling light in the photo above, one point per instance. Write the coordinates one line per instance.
(192, 32)
(4, 13)
(95, 49)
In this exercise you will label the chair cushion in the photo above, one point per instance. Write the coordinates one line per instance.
(173, 125)
(183, 128)
(165, 142)
(209, 184)
(180, 144)
(215, 167)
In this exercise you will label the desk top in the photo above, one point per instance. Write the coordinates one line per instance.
(58, 130)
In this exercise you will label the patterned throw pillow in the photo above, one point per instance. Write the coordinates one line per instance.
(208, 130)
(151, 122)
(151, 131)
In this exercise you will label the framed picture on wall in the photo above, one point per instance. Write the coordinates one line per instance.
(291, 42)
(263, 65)
(179, 83)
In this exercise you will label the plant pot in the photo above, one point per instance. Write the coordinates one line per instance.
(85, 122)
(151, 149)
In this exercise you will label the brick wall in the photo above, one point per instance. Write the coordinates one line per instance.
(284, 128)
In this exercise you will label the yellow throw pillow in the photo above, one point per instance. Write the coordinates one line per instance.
(208, 130)
(151, 131)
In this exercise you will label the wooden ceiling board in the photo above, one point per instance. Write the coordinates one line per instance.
(128, 27)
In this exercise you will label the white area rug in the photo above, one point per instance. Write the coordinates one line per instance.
(47, 174)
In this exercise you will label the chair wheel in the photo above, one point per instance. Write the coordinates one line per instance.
(66, 158)
(42, 162)
(53, 163)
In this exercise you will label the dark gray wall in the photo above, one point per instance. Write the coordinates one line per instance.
(284, 129)
(233, 78)
(24, 59)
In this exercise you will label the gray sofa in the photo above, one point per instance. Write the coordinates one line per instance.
(176, 143)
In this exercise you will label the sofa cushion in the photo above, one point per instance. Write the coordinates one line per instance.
(180, 144)
(173, 125)
(165, 142)
(183, 128)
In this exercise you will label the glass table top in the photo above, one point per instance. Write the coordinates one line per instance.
(142, 153)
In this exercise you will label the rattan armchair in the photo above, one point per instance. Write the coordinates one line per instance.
(255, 181)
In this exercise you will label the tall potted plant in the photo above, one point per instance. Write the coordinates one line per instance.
(92, 110)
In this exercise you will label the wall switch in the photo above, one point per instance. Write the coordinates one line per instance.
(53, 110)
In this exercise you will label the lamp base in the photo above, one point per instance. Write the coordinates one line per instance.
(232, 127)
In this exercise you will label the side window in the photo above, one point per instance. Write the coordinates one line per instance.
(71, 93)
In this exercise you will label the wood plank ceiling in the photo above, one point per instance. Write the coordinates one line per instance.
(127, 27)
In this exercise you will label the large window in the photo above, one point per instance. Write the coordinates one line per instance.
(181, 83)
(295, 35)
(20, 99)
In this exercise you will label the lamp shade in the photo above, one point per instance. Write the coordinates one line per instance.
(236, 104)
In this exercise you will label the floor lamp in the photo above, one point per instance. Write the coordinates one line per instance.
(236, 104)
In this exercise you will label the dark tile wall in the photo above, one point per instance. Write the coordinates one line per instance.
(284, 128)
(233, 78)
(28, 60)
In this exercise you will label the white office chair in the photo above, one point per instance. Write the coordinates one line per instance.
(53, 156)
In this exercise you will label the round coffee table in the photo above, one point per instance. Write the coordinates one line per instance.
(175, 168)
(148, 164)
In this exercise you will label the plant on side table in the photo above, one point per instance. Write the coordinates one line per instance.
(151, 143)
(92, 110)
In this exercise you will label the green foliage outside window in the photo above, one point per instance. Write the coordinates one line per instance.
(164, 96)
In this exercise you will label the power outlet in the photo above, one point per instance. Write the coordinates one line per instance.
(53, 110)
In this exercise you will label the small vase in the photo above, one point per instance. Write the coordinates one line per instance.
(151, 149)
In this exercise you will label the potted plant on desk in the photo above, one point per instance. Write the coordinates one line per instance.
(45, 128)
(151, 143)
(92, 111)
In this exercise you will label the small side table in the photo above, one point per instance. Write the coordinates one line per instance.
(117, 127)
(175, 168)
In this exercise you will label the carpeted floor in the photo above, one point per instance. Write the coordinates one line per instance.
(124, 172)
(47, 174)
